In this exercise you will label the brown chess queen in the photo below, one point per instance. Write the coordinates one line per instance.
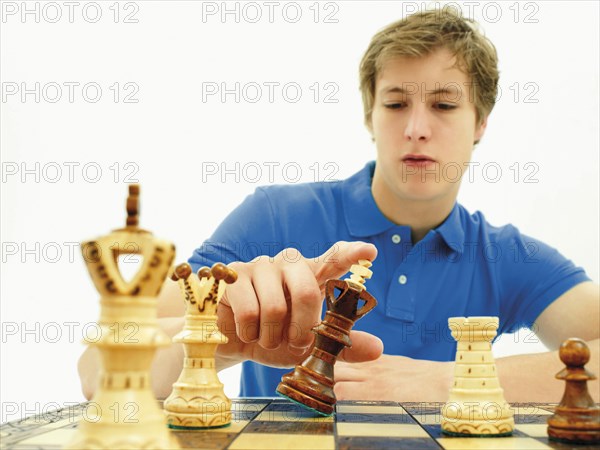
(311, 383)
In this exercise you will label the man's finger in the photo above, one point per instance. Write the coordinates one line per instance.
(365, 347)
(273, 306)
(337, 261)
(350, 390)
(244, 304)
(307, 303)
(345, 371)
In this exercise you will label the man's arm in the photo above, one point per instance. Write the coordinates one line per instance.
(166, 365)
(530, 378)
(269, 294)
(524, 378)
(576, 313)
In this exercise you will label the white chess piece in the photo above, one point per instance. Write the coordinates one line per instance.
(476, 405)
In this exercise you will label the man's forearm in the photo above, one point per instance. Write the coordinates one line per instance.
(166, 365)
(530, 378)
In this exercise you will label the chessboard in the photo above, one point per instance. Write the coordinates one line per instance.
(277, 423)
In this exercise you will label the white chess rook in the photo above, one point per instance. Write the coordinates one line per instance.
(476, 406)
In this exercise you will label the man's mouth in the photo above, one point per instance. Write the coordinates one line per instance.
(417, 160)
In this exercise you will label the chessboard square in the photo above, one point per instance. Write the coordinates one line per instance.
(533, 430)
(59, 436)
(268, 441)
(369, 409)
(435, 431)
(246, 411)
(367, 402)
(253, 400)
(61, 423)
(550, 407)
(38, 447)
(29, 447)
(234, 427)
(288, 416)
(429, 419)
(529, 410)
(415, 408)
(12, 434)
(374, 418)
(396, 443)
(293, 409)
(380, 429)
(531, 418)
(244, 415)
(276, 427)
(203, 439)
(484, 443)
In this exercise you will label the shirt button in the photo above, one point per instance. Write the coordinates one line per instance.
(396, 239)
(402, 279)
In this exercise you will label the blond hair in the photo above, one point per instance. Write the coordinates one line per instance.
(422, 33)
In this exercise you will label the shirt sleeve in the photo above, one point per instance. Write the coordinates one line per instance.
(247, 232)
(531, 276)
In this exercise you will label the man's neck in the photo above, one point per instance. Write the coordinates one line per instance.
(421, 216)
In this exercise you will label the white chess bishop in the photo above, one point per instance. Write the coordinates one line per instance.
(124, 414)
(197, 399)
(476, 406)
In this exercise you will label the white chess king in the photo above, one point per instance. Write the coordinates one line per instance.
(124, 413)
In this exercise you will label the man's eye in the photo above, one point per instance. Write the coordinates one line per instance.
(445, 106)
(394, 105)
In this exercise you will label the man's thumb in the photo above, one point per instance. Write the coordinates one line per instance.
(365, 347)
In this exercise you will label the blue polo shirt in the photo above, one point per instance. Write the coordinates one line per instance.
(464, 267)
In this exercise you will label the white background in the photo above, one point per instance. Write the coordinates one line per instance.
(547, 115)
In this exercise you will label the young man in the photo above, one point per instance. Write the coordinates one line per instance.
(429, 83)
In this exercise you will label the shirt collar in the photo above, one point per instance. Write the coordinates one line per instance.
(363, 217)
(452, 230)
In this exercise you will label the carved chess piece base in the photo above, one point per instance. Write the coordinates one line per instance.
(479, 426)
(575, 425)
(198, 400)
(309, 389)
(202, 421)
(132, 421)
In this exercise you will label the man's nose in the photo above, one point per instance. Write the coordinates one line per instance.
(418, 127)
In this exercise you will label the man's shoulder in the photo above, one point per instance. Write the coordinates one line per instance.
(301, 193)
(476, 224)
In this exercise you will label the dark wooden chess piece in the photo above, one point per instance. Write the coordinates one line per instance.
(311, 383)
(576, 419)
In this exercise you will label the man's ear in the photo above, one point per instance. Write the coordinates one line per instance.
(479, 132)
(369, 125)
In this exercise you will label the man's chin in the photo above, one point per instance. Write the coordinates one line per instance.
(423, 194)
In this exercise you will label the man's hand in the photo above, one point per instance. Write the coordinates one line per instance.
(268, 313)
(395, 378)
